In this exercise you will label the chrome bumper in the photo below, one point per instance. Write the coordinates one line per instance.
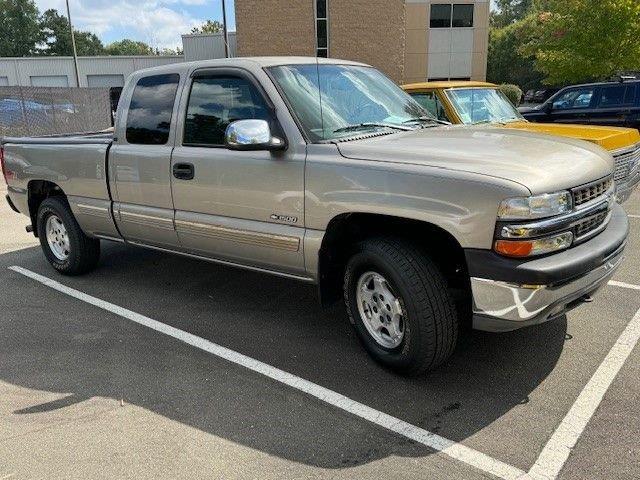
(502, 307)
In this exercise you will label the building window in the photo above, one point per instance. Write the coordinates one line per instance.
(322, 28)
(462, 15)
(447, 15)
(440, 15)
(4, 81)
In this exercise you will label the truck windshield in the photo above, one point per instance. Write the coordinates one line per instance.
(334, 101)
(482, 105)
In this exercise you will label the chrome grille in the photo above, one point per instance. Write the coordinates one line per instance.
(586, 193)
(589, 225)
(625, 163)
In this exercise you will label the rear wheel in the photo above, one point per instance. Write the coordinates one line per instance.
(399, 305)
(63, 242)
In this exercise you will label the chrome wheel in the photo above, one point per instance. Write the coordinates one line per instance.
(57, 238)
(380, 310)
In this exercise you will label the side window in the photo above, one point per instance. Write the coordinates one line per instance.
(431, 103)
(463, 15)
(617, 95)
(149, 116)
(575, 98)
(440, 15)
(214, 103)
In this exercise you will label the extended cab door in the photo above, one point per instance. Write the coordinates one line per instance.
(240, 206)
(140, 161)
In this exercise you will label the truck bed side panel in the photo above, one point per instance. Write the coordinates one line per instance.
(79, 169)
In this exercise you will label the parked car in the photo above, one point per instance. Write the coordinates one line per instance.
(610, 103)
(480, 102)
(543, 94)
(325, 171)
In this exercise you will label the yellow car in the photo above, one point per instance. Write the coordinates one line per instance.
(465, 102)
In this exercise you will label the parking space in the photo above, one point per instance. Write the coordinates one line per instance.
(87, 392)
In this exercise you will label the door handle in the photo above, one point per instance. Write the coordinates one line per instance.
(184, 171)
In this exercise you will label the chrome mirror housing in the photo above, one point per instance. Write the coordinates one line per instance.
(251, 135)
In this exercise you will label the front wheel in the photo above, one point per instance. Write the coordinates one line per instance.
(63, 242)
(399, 304)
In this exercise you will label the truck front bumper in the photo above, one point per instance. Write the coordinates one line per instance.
(509, 294)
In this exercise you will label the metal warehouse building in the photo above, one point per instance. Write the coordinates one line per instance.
(104, 71)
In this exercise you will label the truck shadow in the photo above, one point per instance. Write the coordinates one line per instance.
(65, 346)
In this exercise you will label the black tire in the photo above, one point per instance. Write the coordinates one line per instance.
(84, 252)
(429, 316)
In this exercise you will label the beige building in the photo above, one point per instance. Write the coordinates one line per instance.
(410, 40)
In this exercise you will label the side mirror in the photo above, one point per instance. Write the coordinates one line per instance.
(251, 135)
(547, 107)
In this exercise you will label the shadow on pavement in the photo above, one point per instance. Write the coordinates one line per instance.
(54, 343)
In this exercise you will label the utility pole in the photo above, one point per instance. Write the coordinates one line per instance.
(73, 44)
(224, 30)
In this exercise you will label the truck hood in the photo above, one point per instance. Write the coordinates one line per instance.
(539, 162)
(609, 138)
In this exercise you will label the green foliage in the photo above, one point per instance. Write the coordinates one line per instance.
(128, 47)
(210, 26)
(512, 92)
(19, 28)
(510, 11)
(506, 63)
(58, 39)
(581, 40)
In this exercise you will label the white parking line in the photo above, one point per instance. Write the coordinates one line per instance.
(558, 448)
(632, 216)
(448, 447)
(624, 285)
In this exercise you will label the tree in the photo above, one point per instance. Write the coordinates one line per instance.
(128, 47)
(510, 11)
(506, 62)
(20, 29)
(581, 40)
(210, 26)
(55, 28)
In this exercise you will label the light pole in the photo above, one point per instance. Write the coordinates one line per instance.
(73, 44)
(224, 30)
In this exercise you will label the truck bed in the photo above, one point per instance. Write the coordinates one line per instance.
(103, 137)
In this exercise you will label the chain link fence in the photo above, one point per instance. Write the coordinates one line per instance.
(34, 111)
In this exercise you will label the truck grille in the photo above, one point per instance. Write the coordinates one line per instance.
(625, 163)
(586, 193)
(588, 225)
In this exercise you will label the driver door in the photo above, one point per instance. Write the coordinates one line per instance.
(244, 207)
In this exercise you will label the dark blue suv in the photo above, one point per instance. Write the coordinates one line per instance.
(611, 103)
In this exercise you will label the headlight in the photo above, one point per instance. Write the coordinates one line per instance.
(539, 206)
(531, 248)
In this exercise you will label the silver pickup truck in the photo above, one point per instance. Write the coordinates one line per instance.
(326, 172)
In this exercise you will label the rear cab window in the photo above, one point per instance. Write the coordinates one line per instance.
(151, 109)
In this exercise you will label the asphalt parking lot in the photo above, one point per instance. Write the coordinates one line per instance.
(88, 390)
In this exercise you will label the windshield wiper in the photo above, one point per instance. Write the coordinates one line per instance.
(359, 126)
(427, 119)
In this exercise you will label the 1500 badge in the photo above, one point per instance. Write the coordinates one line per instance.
(284, 218)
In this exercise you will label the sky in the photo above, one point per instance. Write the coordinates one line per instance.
(158, 23)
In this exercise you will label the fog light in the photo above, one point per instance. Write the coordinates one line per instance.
(531, 248)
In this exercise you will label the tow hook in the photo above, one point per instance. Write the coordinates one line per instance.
(587, 298)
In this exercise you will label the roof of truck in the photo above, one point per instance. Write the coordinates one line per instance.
(254, 61)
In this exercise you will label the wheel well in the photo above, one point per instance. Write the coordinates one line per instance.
(39, 190)
(344, 232)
